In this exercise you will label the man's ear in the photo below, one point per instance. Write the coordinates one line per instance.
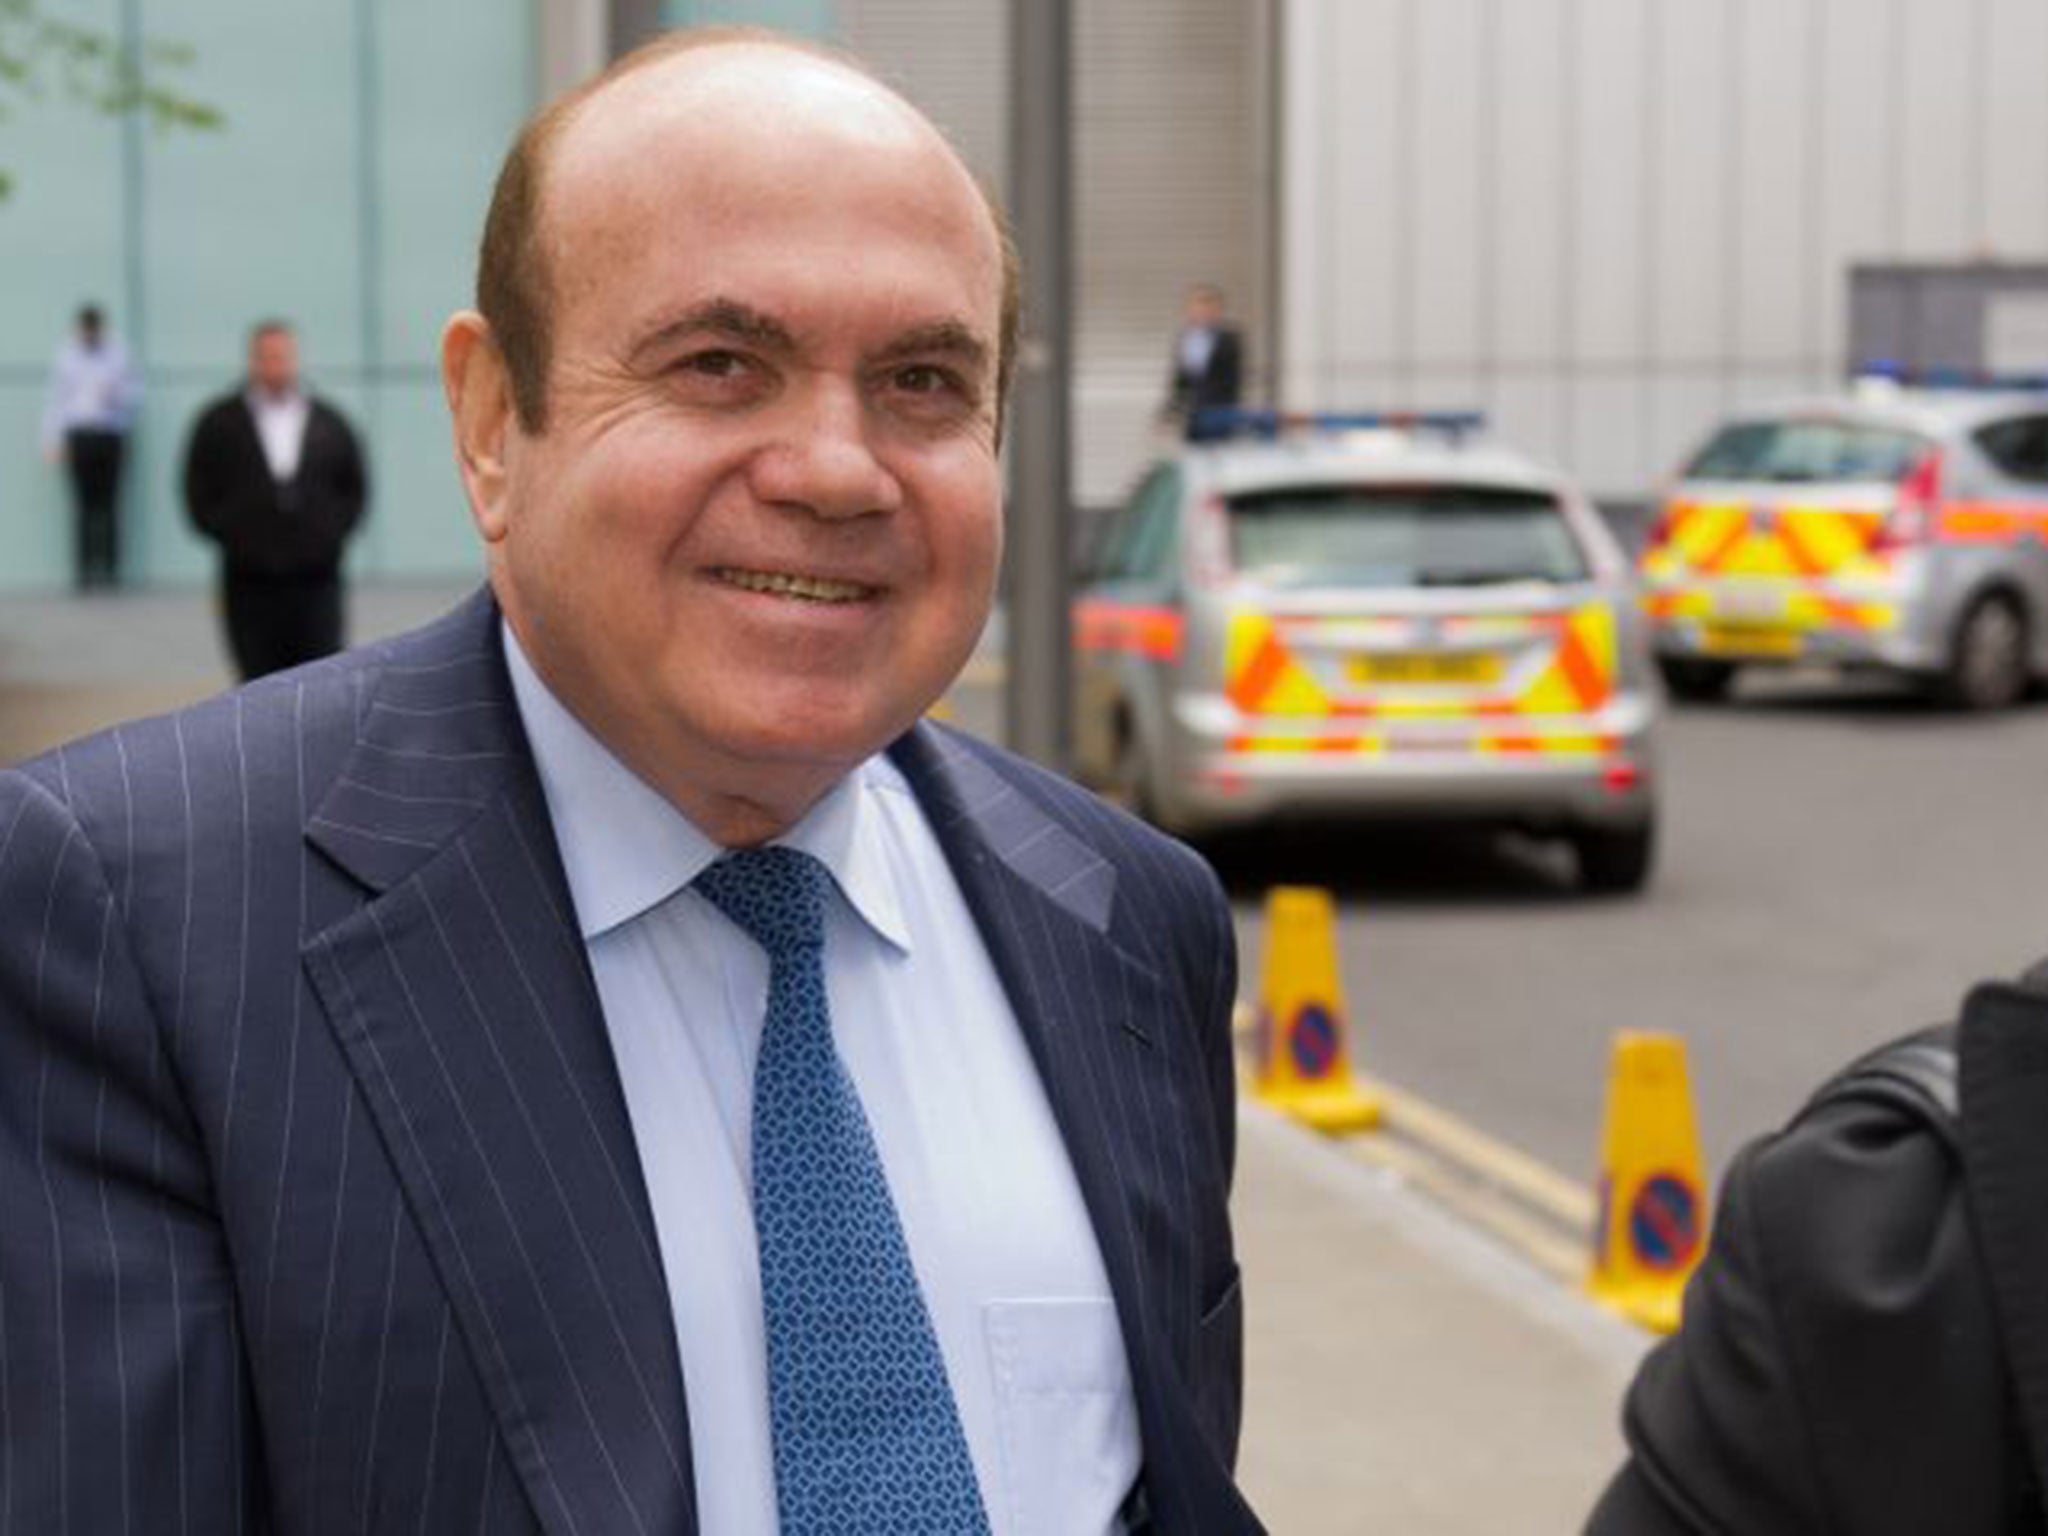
(479, 393)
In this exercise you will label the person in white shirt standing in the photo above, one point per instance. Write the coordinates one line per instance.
(90, 407)
(275, 476)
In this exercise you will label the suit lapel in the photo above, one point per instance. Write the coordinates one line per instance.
(462, 1000)
(2003, 1049)
(1092, 1007)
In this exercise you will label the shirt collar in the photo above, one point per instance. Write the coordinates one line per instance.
(626, 850)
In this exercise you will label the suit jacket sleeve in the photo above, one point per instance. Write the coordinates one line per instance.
(1838, 1366)
(122, 1398)
(1209, 957)
(209, 479)
(347, 480)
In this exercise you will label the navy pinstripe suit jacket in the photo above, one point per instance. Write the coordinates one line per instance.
(319, 1208)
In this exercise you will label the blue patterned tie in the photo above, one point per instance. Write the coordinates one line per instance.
(867, 1438)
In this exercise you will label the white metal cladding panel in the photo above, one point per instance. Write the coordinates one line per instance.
(1604, 152)
(1649, 210)
(1521, 67)
(2015, 112)
(1441, 327)
(1769, 172)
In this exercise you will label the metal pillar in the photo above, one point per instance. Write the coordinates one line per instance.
(1036, 709)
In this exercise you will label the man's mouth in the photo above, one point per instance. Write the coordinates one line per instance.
(810, 589)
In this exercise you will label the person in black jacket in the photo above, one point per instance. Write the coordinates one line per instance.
(275, 477)
(1865, 1346)
(1208, 363)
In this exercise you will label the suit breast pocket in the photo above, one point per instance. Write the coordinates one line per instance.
(1065, 1415)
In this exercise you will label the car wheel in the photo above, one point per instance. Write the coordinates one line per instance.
(1615, 859)
(1987, 666)
(1696, 682)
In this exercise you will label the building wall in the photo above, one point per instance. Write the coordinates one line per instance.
(1606, 221)
(345, 193)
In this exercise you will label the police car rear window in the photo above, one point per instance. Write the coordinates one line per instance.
(1816, 449)
(1402, 536)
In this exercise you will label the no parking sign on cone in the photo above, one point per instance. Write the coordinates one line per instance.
(1303, 1065)
(1652, 1222)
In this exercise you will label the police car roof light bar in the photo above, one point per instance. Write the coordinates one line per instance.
(1216, 422)
(1892, 371)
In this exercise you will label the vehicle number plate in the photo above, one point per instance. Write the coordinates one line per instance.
(1425, 667)
(1749, 607)
(1750, 640)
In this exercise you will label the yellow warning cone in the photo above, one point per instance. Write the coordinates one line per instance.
(1302, 1066)
(1653, 1211)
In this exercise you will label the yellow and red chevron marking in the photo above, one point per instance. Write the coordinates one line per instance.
(1721, 539)
(1261, 675)
(1142, 629)
(1991, 522)
(1806, 607)
(1550, 745)
(1524, 744)
(1264, 678)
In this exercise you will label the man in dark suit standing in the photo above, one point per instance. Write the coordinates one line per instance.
(1208, 363)
(604, 1063)
(275, 477)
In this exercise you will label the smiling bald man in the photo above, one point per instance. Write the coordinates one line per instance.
(603, 1063)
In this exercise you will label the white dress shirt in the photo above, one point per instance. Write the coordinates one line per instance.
(91, 389)
(281, 427)
(1001, 1242)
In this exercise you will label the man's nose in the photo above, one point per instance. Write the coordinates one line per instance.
(825, 460)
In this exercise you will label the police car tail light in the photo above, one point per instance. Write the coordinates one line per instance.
(1209, 543)
(1913, 514)
(1661, 528)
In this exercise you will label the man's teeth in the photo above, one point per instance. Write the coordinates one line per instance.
(816, 589)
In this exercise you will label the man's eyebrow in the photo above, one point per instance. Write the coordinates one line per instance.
(726, 318)
(941, 338)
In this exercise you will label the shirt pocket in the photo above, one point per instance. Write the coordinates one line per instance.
(1064, 1413)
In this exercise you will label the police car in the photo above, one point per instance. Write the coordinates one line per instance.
(1368, 615)
(1900, 526)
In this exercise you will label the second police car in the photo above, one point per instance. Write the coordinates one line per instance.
(1368, 614)
(1894, 527)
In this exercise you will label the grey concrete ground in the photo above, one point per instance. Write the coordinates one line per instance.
(1405, 1374)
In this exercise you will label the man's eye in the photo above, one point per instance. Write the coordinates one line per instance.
(715, 364)
(928, 379)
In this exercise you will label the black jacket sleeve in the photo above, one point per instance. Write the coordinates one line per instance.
(1838, 1367)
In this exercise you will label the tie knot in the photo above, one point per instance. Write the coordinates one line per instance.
(776, 894)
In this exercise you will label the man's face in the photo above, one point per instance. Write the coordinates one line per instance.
(274, 361)
(759, 532)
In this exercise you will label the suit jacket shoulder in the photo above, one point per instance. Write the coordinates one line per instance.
(1153, 893)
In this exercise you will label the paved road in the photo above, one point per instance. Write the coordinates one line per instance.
(1838, 863)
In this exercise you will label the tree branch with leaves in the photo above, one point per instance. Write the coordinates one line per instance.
(44, 56)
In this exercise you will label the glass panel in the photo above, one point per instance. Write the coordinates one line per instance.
(1131, 544)
(2018, 447)
(1808, 450)
(1403, 536)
